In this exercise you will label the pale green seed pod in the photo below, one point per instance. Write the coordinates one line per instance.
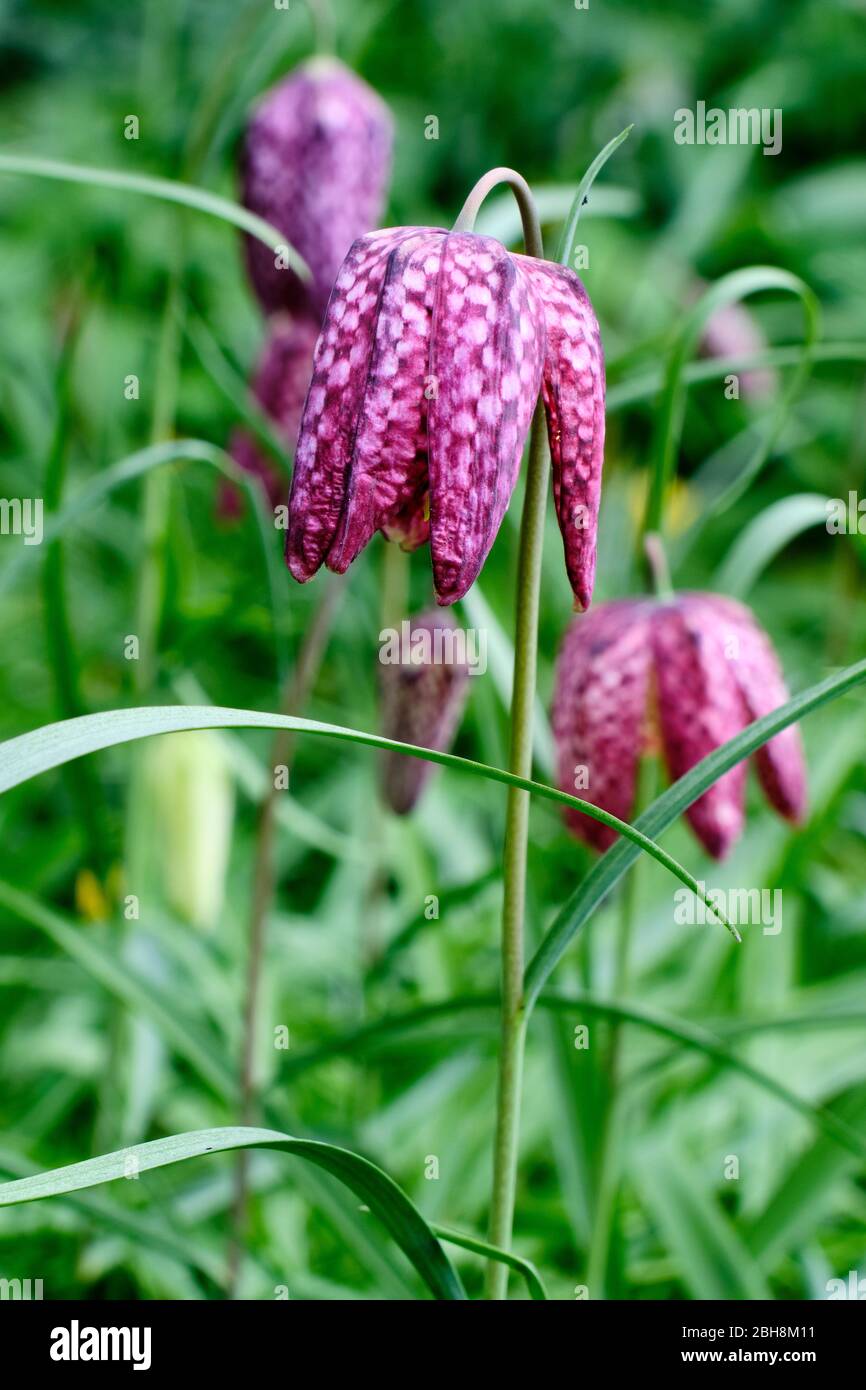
(190, 793)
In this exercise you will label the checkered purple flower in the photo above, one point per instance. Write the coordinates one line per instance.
(315, 165)
(432, 353)
(688, 674)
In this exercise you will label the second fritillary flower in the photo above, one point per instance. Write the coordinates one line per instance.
(688, 675)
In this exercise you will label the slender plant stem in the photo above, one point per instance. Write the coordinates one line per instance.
(659, 568)
(295, 695)
(513, 1014)
(614, 1116)
(612, 1124)
(513, 1023)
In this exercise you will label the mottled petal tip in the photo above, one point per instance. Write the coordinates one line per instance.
(332, 411)
(599, 713)
(485, 366)
(573, 388)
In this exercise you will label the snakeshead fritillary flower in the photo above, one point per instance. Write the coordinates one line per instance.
(426, 375)
(316, 162)
(280, 387)
(423, 696)
(691, 674)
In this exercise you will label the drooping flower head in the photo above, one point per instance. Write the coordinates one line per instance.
(280, 388)
(315, 165)
(424, 692)
(425, 379)
(686, 674)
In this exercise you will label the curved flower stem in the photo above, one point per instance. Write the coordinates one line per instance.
(659, 568)
(514, 870)
(513, 1018)
(324, 26)
(532, 241)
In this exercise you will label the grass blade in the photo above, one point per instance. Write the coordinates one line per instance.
(492, 1252)
(56, 744)
(565, 250)
(370, 1184)
(169, 190)
(665, 810)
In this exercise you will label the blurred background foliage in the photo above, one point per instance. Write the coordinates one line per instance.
(87, 1060)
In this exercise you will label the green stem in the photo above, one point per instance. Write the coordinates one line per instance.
(610, 1147)
(659, 568)
(516, 842)
(532, 241)
(513, 1015)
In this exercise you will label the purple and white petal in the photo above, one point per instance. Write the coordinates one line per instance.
(335, 400)
(699, 709)
(485, 367)
(573, 388)
(780, 763)
(599, 714)
(387, 473)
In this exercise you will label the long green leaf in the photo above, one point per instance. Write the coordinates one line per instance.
(56, 744)
(374, 1188)
(493, 1252)
(202, 1053)
(168, 190)
(664, 811)
(806, 1188)
(565, 250)
(643, 387)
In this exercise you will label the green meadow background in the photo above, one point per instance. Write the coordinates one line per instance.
(718, 1172)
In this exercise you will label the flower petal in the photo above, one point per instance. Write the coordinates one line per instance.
(700, 708)
(387, 473)
(485, 367)
(573, 389)
(599, 713)
(780, 763)
(335, 399)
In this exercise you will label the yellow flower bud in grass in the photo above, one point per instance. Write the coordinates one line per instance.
(91, 899)
(191, 794)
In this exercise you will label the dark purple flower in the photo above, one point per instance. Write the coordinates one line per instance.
(315, 165)
(426, 375)
(689, 674)
(423, 697)
(280, 387)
